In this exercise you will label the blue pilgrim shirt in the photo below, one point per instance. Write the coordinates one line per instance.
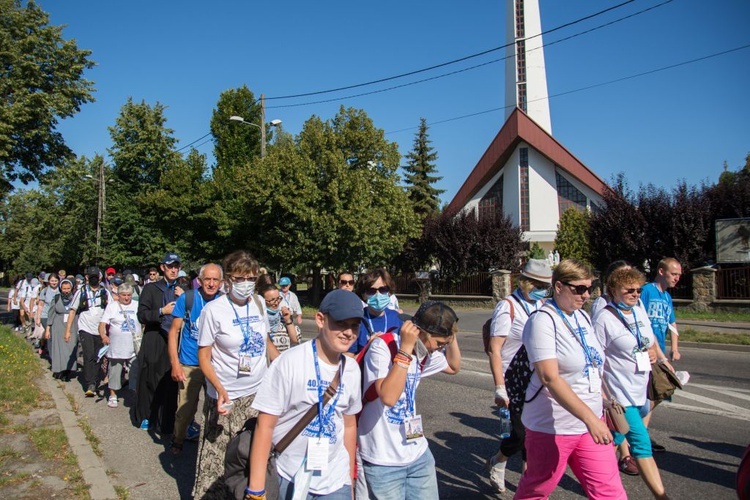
(660, 311)
(387, 322)
(188, 352)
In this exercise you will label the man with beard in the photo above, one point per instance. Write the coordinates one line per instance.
(156, 396)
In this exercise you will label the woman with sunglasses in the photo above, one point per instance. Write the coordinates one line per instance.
(283, 331)
(624, 330)
(374, 291)
(563, 409)
(508, 320)
(233, 347)
(397, 461)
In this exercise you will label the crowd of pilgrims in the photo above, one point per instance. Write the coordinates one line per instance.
(344, 403)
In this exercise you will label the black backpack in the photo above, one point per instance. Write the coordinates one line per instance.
(83, 304)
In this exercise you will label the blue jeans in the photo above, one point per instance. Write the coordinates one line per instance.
(286, 490)
(416, 480)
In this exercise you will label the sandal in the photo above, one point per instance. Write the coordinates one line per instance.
(176, 448)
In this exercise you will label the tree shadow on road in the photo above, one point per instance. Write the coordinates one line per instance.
(706, 470)
(722, 448)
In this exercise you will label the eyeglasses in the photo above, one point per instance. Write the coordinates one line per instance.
(152, 274)
(579, 289)
(242, 279)
(383, 290)
(631, 291)
(346, 282)
(442, 343)
(273, 301)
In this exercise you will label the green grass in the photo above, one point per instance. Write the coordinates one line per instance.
(731, 317)
(8, 454)
(19, 368)
(714, 337)
(122, 492)
(51, 442)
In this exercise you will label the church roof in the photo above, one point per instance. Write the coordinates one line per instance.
(520, 128)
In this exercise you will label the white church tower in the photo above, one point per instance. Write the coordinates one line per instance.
(525, 75)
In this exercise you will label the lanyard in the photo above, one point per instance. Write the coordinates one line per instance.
(369, 320)
(324, 417)
(522, 301)
(586, 349)
(637, 332)
(411, 390)
(244, 328)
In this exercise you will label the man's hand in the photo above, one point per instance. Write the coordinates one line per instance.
(178, 291)
(105, 339)
(178, 374)
(409, 336)
(167, 309)
(674, 355)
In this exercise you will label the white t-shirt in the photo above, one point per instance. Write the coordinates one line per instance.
(547, 337)
(501, 324)
(15, 304)
(88, 321)
(288, 390)
(627, 385)
(382, 436)
(393, 303)
(123, 324)
(291, 301)
(598, 305)
(219, 325)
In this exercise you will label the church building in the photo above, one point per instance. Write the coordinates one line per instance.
(525, 172)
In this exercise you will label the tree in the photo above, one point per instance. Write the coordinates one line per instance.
(142, 154)
(572, 240)
(618, 228)
(420, 170)
(42, 82)
(236, 143)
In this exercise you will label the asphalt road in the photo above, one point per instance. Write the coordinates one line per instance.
(705, 430)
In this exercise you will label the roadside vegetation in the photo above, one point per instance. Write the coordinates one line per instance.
(730, 317)
(27, 410)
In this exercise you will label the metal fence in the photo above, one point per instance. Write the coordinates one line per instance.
(477, 284)
(733, 283)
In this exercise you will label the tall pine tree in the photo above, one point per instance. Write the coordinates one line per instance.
(419, 176)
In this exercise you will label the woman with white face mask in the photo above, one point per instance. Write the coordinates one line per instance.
(374, 291)
(233, 347)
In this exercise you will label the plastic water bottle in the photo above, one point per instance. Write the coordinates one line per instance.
(504, 414)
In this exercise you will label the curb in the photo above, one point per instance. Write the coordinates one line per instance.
(94, 472)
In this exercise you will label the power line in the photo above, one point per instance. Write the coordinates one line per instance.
(191, 143)
(424, 80)
(581, 89)
(465, 58)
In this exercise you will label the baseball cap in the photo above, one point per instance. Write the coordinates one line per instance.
(44, 276)
(110, 270)
(29, 276)
(434, 317)
(171, 258)
(342, 304)
(181, 274)
(93, 271)
(79, 277)
(285, 281)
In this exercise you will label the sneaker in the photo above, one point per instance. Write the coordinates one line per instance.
(497, 473)
(144, 425)
(627, 466)
(112, 403)
(91, 392)
(193, 432)
(656, 447)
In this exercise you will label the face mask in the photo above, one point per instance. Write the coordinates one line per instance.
(94, 281)
(538, 293)
(272, 312)
(243, 291)
(378, 302)
(624, 307)
(66, 296)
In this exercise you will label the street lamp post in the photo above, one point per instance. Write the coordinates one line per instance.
(261, 127)
(101, 206)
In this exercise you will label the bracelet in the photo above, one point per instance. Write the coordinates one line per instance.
(289, 323)
(160, 314)
(402, 365)
(254, 495)
(402, 359)
(406, 354)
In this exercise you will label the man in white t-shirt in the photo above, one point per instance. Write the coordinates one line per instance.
(295, 382)
(289, 298)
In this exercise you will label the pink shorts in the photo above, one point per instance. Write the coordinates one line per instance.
(548, 455)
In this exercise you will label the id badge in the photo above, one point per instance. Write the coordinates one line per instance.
(642, 363)
(317, 453)
(246, 363)
(413, 427)
(595, 384)
(65, 318)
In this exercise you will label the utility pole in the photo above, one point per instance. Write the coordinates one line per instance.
(100, 212)
(262, 126)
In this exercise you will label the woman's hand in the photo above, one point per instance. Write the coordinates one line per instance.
(67, 335)
(222, 400)
(105, 339)
(599, 431)
(46, 333)
(409, 336)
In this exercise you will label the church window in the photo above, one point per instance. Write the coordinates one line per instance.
(523, 154)
(491, 204)
(568, 195)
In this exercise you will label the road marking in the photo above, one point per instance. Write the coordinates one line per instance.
(737, 410)
(706, 411)
(733, 392)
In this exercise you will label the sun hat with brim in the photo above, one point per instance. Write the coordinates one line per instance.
(342, 304)
(538, 270)
(433, 317)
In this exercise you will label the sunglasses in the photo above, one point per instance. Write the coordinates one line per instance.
(382, 290)
(346, 282)
(631, 291)
(579, 289)
(242, 279)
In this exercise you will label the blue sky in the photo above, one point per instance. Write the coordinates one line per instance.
(681, 123)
